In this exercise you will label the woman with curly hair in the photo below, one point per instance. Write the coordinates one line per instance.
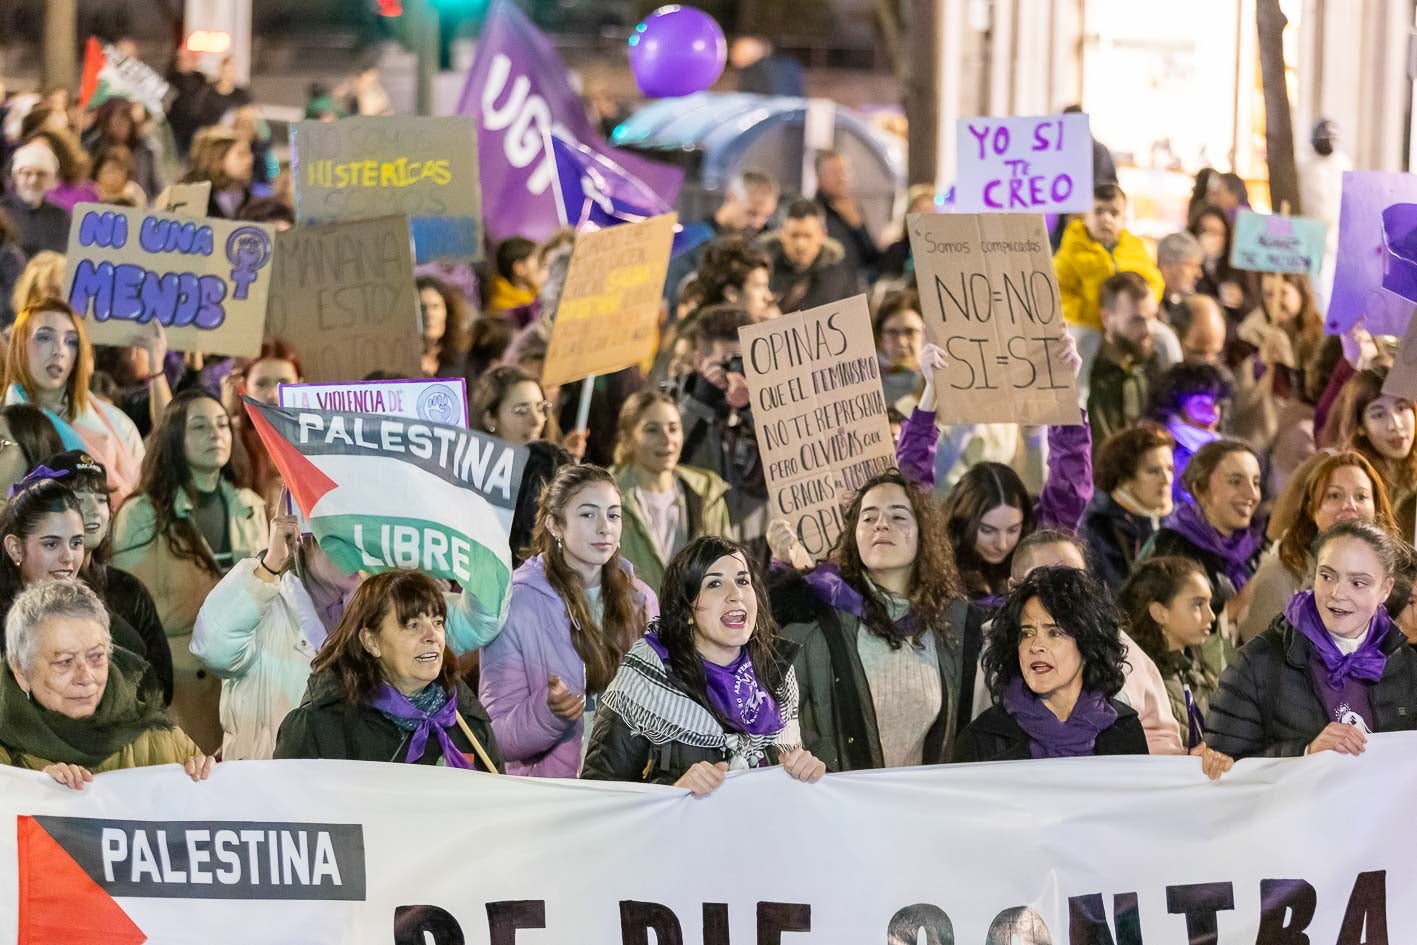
(1053, 665)
(881, 627)
(1167, 607)
(1133, 473)
(709, 689)
(1337, 486)
(575, 611)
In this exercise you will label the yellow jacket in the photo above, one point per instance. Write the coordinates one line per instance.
(1083, 264)
(153, 747)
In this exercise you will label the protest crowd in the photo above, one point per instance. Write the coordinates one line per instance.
(1205, 552)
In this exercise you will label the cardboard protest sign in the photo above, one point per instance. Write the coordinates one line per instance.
(1373, 272)
(438, 399)
(1024, 165)
(343, 294)
(608, 318)
(990, 300)
(1274, 242)
(820, 414)
(188, 200)
(204, 280)
(1402, 379)
(359, 168)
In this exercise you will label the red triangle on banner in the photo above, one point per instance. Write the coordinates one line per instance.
(59, 902)
(306, 481)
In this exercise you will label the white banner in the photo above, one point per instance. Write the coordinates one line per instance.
(1314, 851)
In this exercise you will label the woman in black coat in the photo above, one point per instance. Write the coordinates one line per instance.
(1133, 474)
(384, 686)
(1054, 663)
(1331, 669)
(708, 689)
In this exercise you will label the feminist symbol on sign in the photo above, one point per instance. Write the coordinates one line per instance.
(248, 248)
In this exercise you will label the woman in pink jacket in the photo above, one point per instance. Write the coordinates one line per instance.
(576, 609)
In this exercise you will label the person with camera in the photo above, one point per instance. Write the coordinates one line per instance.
(718, 422)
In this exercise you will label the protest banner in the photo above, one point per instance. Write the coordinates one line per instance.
(608, 318)
(1274, 242)
(990, 300)
(385, 492)
(1041, 164)
(1373, 271)
(517, 91)
(343, 294)
(439, 399)
(819, 413)
(188, 200)
(1298, 851)
(204, 280)
(358, 168)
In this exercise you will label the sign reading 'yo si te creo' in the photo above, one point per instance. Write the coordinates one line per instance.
(204, 280)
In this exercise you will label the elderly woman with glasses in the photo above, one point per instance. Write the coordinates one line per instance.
(71, 704)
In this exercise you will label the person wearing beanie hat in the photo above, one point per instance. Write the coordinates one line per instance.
(33, 172)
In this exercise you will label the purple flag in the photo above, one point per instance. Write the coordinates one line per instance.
(595, 192)
(518, 91)
(1372, 267)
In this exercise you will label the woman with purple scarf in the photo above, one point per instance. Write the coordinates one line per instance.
(1053, 665)
(1331, 669)
(709, 689)
(385, 687)
(1218, 529)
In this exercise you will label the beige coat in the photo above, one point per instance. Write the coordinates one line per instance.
(153, 747)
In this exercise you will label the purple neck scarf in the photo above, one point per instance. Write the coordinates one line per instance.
(1049, 738)
(831, 588)
(1365, 663)
(1234, 552)
(734, 692)
(398, 707)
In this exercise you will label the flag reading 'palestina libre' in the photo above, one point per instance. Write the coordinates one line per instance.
(385, 492)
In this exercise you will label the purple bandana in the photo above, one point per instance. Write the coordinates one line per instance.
(1234, 552)
(734, 692)
(1365, 663)
(831, 588)
(396, 705)
(40, 473)
(1049, 738)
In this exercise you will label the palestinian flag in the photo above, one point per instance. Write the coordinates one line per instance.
(386, 492)
(110, 74)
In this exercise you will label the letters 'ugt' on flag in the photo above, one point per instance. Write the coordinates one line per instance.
(387, 492)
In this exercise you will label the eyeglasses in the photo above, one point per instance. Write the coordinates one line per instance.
(526, 410)
(901, 333)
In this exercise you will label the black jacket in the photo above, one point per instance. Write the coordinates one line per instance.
(326, 726)
(838, 716)
(995, 736)
(617, 753)
(830, 278)
(127, 598)
(1268, 702)
(1115, 538)
(43, 227)
(1170, 542)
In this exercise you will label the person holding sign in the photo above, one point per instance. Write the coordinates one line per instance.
(1277, 345)
(1054, 667)
(385, 686)
(1329, 671)
(667, 505)
(989, 510)
(1218, 529)
(48, 363)
(576, 609)
(183, 529)
(880, 626)
(71, 704)
(709, 689)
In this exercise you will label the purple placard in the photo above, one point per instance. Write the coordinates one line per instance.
(518, 91)
(436, 399)
(1369, 274)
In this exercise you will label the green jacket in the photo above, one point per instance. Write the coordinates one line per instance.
(702, 508)
(1200, 668)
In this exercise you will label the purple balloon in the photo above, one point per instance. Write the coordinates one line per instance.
(676, 51)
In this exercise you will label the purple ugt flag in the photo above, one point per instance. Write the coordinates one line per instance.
(518, 91)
